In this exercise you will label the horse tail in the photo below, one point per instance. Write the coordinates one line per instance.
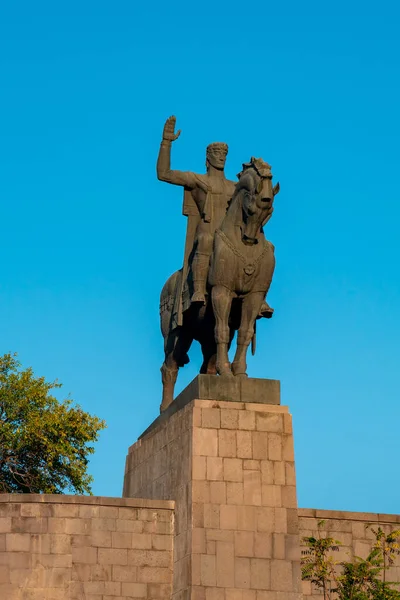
(253, 341)
(168, 301)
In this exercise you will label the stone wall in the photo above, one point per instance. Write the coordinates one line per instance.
(84, 548)
(349, 528)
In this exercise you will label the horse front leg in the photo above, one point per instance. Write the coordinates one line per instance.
(222, 302)
(250, 309)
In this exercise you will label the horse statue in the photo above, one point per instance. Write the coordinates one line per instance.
(241, 269)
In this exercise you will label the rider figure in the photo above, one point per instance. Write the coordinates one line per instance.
(211, 193)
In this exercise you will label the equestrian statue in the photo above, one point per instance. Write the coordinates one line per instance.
(227, 268)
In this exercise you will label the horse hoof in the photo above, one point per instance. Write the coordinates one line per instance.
(198, 297)
(164, 405)
(224, 371)
(238, 370)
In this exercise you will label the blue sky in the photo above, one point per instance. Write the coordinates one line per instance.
(89, 235)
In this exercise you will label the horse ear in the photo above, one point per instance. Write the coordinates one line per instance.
(276, 189)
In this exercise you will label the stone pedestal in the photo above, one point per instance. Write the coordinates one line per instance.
(224, 452)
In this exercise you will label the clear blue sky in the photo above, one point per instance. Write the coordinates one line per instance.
(89, 235)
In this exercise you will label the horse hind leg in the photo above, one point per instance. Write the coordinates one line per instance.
(176, 355)
(169, 374)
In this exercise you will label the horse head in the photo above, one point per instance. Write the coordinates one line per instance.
(257, 193)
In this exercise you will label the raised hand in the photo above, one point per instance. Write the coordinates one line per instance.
(169, 130)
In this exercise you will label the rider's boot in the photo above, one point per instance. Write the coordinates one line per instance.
(266, 311)
(200, 266)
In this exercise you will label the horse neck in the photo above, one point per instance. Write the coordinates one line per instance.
(234, 216)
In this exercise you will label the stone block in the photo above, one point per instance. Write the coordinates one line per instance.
(154, 574)
(279, 472)
(218, 492)
(5, 524)
(262, 545)
(252, 488)
(260, 445)
(289, 498)
(103, 524)
(233, 469)
(205, 442)
(274, 446)
(18, 542)
(208, 574)
(281, 575)
(60, 543)
(141, 541)
(265, 517)
(279, 546)
(215, 471)
(272, 422)
(227, 443)
(228, 517)
(214, 593)
(252, 465)
(260, 574)
(125, 574)
(246, 518)
(111, 556)
(112, 588)
(267, 472)
(120, 539)
(149, 558)
(247, 420)
(244, 444)
(159, 590)
(211, 418)
(199, 467)
(201, 492)
(229, 419)
(4, 574)
(234, 493)
(225, 564)
(290, 473)
(212, 516)
(199, 541)
(244, 543)
(134, 590)
(162, 542)
(287, 448)
(86, 556)
(272, 495)
(128, 525)
(242, 573)
(56, 525)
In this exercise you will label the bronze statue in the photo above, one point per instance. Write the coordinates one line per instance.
(226, 256)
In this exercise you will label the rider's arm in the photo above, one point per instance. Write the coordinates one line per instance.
(164, 172)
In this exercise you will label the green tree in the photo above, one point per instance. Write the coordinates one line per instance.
(359, 579)
(317, 564)
(44, 443)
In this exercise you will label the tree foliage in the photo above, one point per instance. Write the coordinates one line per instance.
(359, 579)
(44, 443)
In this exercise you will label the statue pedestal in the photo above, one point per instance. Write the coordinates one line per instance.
(224, 452)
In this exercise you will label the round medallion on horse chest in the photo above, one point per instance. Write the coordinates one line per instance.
(249, 269)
